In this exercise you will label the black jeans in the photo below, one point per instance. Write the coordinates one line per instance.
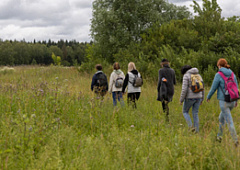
(132, 97)
(165, 108)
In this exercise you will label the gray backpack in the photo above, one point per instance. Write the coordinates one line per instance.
(119, 82)
(137, 81)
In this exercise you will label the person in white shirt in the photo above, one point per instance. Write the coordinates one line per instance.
(115, 84)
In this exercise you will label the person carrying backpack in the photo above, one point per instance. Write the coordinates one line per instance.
(192, 95)
(99, 82)
(225, 83)
(165, 88)
(134, 82)
(116, 84)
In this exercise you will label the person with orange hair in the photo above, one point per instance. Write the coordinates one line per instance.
(226, 107)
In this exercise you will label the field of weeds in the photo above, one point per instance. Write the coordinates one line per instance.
(49, 119)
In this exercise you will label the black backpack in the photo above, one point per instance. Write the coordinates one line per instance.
(102, 80)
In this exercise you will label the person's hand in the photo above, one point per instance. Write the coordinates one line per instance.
(201, 103)
(208, 100)
(180, 103)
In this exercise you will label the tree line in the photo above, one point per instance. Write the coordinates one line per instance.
(41, 52)
(146, 31)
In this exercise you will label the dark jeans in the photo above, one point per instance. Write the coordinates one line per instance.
(132, 97)
(117, 95)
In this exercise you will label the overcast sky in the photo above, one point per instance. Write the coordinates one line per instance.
(63, 19)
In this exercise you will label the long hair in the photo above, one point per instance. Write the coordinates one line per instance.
(131, 66)
(116, 66)
(223, 63)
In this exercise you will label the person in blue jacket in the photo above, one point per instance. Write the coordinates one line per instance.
(226, 107)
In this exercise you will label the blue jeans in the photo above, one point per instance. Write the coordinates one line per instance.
(117, 95)
(226, 117)
(194, 103)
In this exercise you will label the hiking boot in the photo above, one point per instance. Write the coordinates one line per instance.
(219, 139)
(193, 130)
(236, 143)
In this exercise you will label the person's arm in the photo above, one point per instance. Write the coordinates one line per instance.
(110, 83)
(141, 77)
(107, 83)
(159, 80)
(236, 80)
(185, 84)
(214, 87)
(174, 78)
(203, 92)
(125, 83)
(93, 81)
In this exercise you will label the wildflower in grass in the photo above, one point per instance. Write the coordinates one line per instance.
(33, 116)
(132, 126)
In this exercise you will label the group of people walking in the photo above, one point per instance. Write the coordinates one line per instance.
(192, 93)
(118, 84)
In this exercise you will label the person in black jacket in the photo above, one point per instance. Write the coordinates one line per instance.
(99, 82)
(166, 82)
(133, 91)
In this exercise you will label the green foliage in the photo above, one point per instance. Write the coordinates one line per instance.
(117, 24)
(7, 53)
(56, 60)
(34, 62)
(23, 53)
(198, 42)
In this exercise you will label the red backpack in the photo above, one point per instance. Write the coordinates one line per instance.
(231, 90)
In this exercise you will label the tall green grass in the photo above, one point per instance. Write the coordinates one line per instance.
(49, 119)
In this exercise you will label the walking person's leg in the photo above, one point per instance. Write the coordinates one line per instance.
(229, 121)
(164, 106)
(120, 98)
(186, 107)
(131, 99)
(195, 109)
(165, 109)
(114, 96)
(226, 117)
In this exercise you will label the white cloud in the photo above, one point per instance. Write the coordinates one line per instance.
(229, 7)
(64, 19)
(45, 19)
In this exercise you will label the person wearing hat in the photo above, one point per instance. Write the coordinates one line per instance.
(165, 88)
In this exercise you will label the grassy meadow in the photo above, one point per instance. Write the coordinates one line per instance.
(49, 119)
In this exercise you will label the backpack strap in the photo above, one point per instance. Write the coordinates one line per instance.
(222, 75)
(134, 76)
